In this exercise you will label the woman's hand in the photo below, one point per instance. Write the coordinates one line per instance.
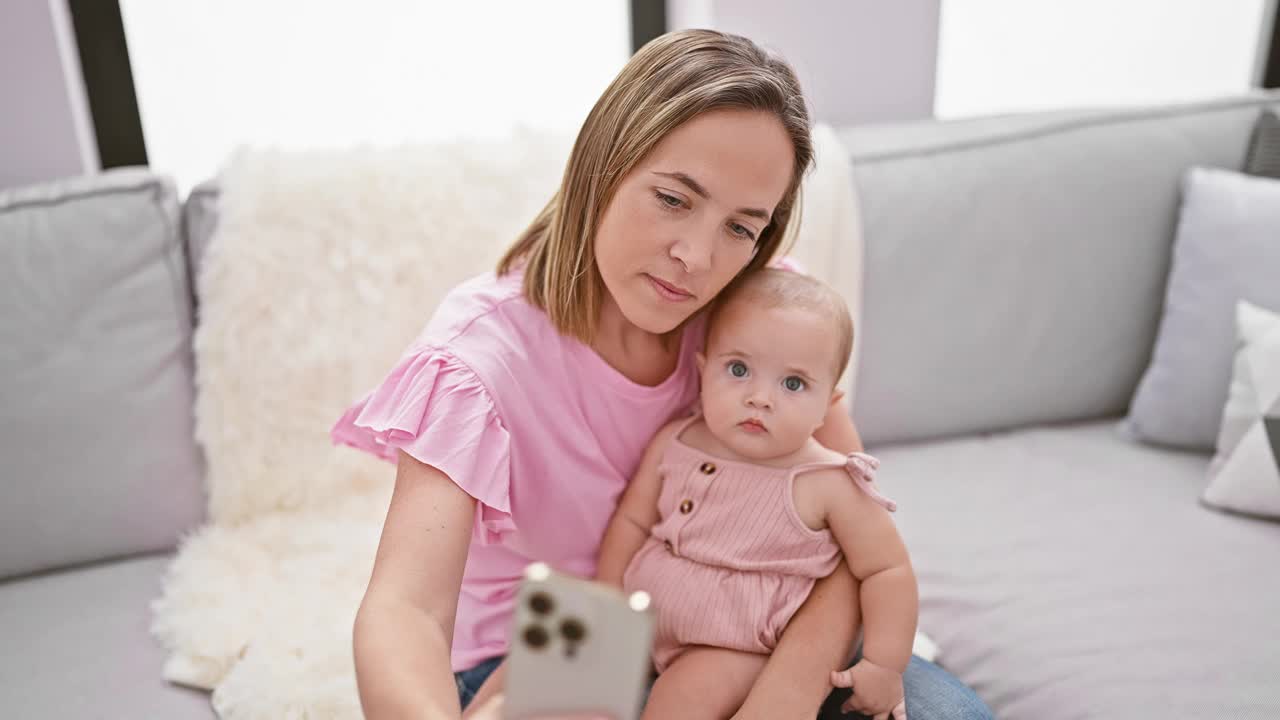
(877, 691)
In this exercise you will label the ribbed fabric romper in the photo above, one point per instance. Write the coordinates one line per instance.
(730, 561)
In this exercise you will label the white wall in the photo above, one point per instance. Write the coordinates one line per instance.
(859, 61)
(45, 128)
(997, 56)
(215, 74)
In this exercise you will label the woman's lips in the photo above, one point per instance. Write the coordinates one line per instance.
(668, 291)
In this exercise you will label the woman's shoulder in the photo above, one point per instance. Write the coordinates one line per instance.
(485, 304)
(489, 326)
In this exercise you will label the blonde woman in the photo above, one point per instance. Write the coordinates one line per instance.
(521, 411)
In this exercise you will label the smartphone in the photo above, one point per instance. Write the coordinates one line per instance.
(578, 647)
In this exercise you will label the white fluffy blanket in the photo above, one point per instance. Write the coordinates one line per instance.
(323, 267)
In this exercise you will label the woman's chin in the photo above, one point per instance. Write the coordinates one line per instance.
(658, 321)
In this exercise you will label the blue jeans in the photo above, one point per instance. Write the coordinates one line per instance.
(469, 681)
(932, 693)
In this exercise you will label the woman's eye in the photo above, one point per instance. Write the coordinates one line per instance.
(742, 231)
(670, 201)
(737, 368)
(793, 383)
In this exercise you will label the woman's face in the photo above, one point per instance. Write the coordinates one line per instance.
(687, 218)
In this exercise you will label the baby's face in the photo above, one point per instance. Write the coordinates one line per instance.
(768, 378)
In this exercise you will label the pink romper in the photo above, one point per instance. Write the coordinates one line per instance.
(730, 561)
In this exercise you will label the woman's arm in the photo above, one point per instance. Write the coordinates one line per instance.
(837, 431)
(819, 638)
(636, 514)
(404, 628)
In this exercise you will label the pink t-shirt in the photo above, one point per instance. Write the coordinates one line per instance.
(533, 424)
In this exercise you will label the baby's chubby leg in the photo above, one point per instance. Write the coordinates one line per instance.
(704, 683)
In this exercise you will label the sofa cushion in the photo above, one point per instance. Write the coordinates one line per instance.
(1227, 249)
(96, 422)
(1264, 149)
(78, 646)
(1066, 572)
(1015, 266)
(199, 220)
(1245, 473)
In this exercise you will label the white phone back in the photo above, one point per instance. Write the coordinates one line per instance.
(605, 673)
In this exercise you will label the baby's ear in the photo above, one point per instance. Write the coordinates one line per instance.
(836, 396)
(701, 360)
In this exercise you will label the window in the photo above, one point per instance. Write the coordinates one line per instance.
(997, 56)
(215, 74)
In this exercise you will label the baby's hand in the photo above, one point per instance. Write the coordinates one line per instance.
(877, 691)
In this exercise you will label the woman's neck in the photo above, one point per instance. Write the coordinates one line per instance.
(643, 357)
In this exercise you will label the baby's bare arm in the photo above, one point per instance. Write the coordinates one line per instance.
(878, 558)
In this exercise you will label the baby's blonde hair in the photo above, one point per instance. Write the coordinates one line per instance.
(774, 287)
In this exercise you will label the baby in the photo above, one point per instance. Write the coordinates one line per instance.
(735, 512)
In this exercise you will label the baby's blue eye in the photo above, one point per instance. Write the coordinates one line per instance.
(793, 383)
(737, 368)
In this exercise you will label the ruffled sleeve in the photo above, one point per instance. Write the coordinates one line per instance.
(433, 407)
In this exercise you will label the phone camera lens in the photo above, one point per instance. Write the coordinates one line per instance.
(573, 630)
(536, 637)
(541, 604)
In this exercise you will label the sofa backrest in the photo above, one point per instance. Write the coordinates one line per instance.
(97, 456)
(1015, 266)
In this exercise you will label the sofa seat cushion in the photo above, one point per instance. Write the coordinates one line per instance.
(78, 646)
(1067, 572)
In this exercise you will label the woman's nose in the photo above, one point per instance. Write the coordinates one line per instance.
(693, 251)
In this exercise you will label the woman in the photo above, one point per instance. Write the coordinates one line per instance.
(518, 416)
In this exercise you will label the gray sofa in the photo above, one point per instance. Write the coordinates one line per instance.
(1015, 271)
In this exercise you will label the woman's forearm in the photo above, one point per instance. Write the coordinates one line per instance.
(890, 606)
(402, 663)
(837, 431)
(818, 639)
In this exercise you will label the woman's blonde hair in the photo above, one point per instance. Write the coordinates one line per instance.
(671, 80)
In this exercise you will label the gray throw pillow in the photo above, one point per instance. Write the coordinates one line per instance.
(1264, 148)
(1227, 248)
(1245, 474)
(96, 425)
